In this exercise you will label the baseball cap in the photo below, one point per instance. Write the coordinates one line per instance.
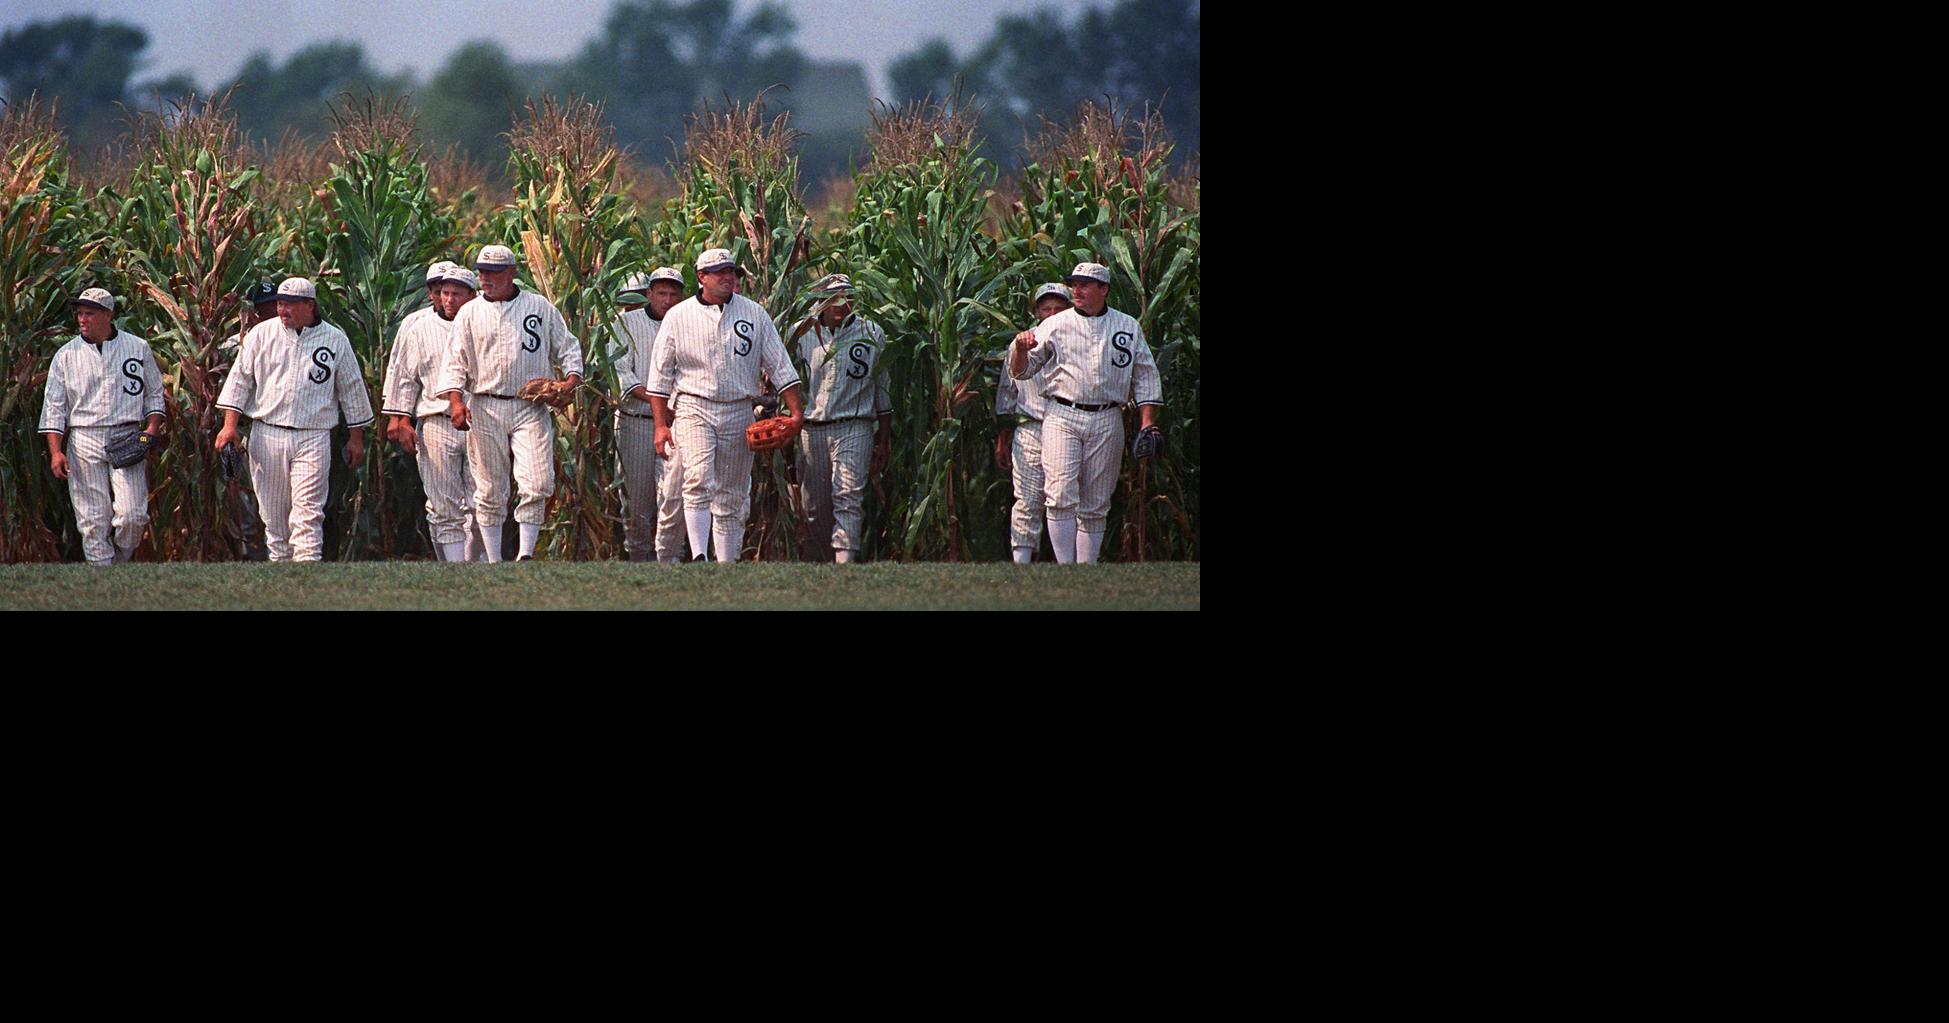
(441, 271)
(667, 273)
(715, 259)
(97, 297)
(1052, 288)
(494, 257)
(637, 282)
(295, 288)
(1090, 272)
(836, 283)
(262, 292)
(462, 275)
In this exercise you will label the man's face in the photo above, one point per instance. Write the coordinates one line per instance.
(1091, 295)
(294, 313)
(1049, 305)
(836, 313)
(452, 296)
(497, 285)
(717, 284)
(93, 322)
(663, 295)
(258, 313)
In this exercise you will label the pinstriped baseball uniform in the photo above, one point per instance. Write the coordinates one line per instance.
(418, 357)
(497, 347)
(670, 536)
(1090, 360)
(836, 446)
(1024, 398)
(632, 346)
(250, 519)
(708, 364)
(95, 392)
(294, 385)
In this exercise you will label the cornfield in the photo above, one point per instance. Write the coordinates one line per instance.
(943, 250)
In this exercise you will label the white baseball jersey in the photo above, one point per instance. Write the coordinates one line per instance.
(631, 349)
(299, 380)
(718, 352)
(111, 384)
(419, 356)
(1094, 360)
(412, 321)
(841, 364)
(498, 346)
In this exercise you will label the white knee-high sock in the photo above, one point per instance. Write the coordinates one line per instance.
(1024, 555)
(1062, 537)
(697, 523)
(490, 539)
(530, 532)
(454, 551)
(1088, 545)
(727, 548)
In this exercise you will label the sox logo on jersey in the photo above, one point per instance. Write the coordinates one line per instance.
(321, 360)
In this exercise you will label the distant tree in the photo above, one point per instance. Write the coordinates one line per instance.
(656, 61)
(470, 100)
(1038, 65)
(82, 63)
(270, 99)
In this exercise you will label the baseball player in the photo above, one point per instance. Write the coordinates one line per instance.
(1018, 449)
(498, 345)
(1097, 360)
(260, 304)
(420, 424)
(102, 384)
(845, 395)
(710, 353)
(650, 527)
(294, 378)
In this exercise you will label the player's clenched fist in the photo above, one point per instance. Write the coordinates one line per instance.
(457, 412)
(1025, 340)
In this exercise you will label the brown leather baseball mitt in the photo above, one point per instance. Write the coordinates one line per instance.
(771, 434)
(546, 392)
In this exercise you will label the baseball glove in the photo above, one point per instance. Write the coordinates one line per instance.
(129, 448)
(230, 462)
(544, 391)
(1150, 441)
(771, 434)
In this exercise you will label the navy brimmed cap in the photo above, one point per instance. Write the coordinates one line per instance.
(263, 292)
(667, 273)
(97, 297)
(1052, 288)
(1089, 272)
(441, 271)
(495, 257)
(461, 275)
(836, 284)
(715, 259)
(295, 288)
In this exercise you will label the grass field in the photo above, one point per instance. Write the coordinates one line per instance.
(578, 586)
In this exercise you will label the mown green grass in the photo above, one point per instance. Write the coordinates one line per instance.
(558, 586)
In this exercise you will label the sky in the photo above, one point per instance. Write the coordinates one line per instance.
(211, 39)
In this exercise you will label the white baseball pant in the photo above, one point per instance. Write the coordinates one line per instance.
(293, 473)
(111, 506)
(444, 476)
(525, 431)
(670, 538)
(1025, 518)
(717, 465)
(1081, 455)
(636, 450)
(833, 463)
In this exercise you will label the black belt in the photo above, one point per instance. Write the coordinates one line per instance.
(830, 422)
(516, 397)
(632, 415)
(1080, 408)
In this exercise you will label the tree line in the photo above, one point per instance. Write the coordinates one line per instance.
(654, 62)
